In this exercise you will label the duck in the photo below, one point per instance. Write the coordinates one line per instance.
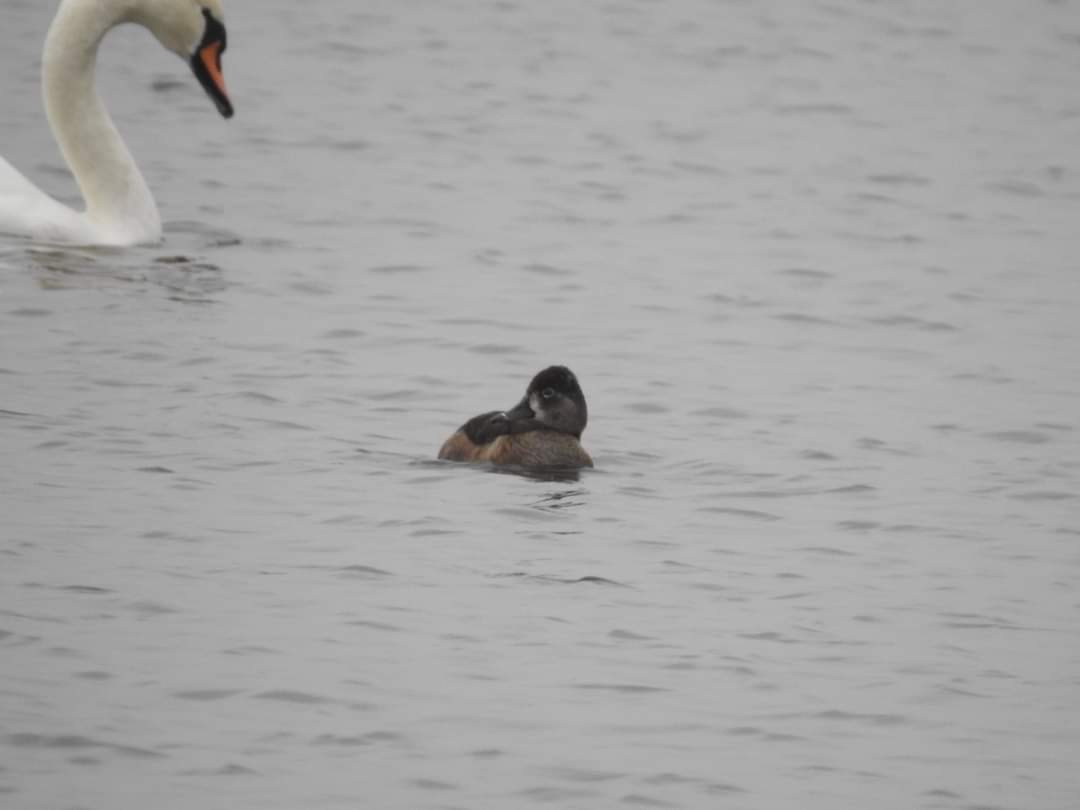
(542, 431)
(120, 209)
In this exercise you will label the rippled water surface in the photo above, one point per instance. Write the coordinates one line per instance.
(815, 265)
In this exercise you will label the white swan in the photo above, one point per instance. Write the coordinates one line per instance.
(120, 209)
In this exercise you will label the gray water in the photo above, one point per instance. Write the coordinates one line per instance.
(815, 265)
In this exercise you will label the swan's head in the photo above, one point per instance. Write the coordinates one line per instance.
(195, 30)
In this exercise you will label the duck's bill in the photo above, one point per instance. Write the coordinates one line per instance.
(206, 64)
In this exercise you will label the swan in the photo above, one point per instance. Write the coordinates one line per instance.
(120, 210)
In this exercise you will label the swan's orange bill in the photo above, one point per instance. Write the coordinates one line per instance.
(211, 59)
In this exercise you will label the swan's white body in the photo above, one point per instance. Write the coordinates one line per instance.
(120, 210)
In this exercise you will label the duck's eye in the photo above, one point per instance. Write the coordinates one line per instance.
(547, 393)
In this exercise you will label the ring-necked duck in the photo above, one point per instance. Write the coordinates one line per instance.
(543, 430)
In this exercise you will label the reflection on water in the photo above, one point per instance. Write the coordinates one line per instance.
(814, 267)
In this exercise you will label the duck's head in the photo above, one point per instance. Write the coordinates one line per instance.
(195, 30)
(554, 399)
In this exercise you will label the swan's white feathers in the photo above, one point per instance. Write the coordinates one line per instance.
(120, 207)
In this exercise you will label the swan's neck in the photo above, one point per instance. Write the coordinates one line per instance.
(117, 197)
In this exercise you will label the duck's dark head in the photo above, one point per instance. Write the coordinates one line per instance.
(555, 401)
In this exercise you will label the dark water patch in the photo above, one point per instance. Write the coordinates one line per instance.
(487, 753)
(398, 269)
(871, 197)
(773, 736)
(155, 470)
(668, 778)
(785, 597)
(203, 695)
(947, 427)
(975, 624)
(585, 775)
(647, 407)
(30, 312)
(434, 532)
(250, 649)
(744, 731)
(1044, 495)
(641, 800)
(817, 455)
(1054, 426)
(1017, 188)
(823, 109)
(623, 688)
(635, 491)
(87, 589)
(359, 740)
(495, 349)
(1018, 436)
(858, 525)
(294, 696)
(150, 608)
(373, 625)
(752, 514)
(804, 319)
(898, 179)
(166, 84)
(547, 270)
(105, 382)
(529, 513)
(958, 692)
(707, 169)
(738, 301)
(16, 414)
(723, 788)
(554, 795)
(677, 564)
(984, 376)
(397, 394)
(312, 288)
(255, 396)
(942, 793)
(769, 635)
(807, 273)
(77, 741)
(363, 572)
(865, 718)
(586, 580)
(228, 769)
(233, 769)
(626, 635)
(913, 322)
(64, 652)
(904, 528)
(283, 424)
(94, 675)
(343, 334)
(828, 551)
(880, 446)
(852, 489)
(432, 784)
(720, 412)
(562, 500)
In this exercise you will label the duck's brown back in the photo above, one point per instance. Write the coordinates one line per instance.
(538, 448)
